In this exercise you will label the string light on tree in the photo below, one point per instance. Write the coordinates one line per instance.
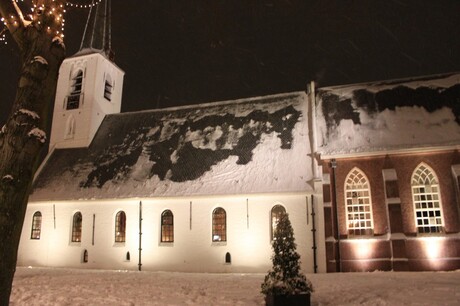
(84, 6)
(54, 10)
(3, 37)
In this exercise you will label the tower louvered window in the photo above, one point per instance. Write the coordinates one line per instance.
(358, 203)
(73, 100)
(427, 202)
(108, 89)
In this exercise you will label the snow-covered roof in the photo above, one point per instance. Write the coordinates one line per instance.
(257, 145)
(387, 116)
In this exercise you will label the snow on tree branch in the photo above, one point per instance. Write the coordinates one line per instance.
(8, 178)
(40, 60)
(29, 113)
(59, 41)
(39, 134)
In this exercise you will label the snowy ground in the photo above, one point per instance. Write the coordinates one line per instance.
(42, 286)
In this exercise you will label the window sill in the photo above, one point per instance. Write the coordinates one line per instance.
(219, 243)
(166, 244)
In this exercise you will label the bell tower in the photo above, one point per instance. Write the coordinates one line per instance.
(89, 84)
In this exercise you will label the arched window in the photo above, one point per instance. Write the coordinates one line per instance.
(36, 225)
(427, 202)
(358, 204)
(219, 225)
(228, 258)
(73, 100)
(120, 227)
(167, 226)
(275, 216)
(76, 227)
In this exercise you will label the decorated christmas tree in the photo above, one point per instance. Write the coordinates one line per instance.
(285, 277)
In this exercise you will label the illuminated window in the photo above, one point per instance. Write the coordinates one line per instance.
(167, 226)
(76, 227)
(276, 213)
(219, 225)
(120, 227)
(427, 202)
(36, 225)
(358, 204)
(73, 100)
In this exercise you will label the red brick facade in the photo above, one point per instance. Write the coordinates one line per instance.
(395, 243)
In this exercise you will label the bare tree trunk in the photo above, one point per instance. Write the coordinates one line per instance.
(25, 132)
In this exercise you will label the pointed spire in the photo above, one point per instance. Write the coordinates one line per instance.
(97, 34)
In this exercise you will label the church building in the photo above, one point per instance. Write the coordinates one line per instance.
(368, 173)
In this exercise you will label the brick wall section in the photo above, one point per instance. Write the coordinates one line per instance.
(441, 163)
(372, 167)
(408, 253)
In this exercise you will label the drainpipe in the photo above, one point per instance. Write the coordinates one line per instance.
(313, 230)
(140, 236)
(333, 165)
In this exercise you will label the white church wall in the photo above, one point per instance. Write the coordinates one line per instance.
(248, 234)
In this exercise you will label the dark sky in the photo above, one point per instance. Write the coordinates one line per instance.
(186, 52)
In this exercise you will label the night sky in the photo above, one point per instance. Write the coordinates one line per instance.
(187, 52)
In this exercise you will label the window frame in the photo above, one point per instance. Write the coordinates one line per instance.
(426, 192)
(120, 227)
(36, 229)
(77, 227)
(219, 225)
(167, 229)
(358, 204)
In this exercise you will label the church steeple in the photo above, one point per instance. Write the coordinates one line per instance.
(90, 84)
(97, 34)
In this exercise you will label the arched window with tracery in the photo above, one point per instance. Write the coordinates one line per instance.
(358, 204)
(120, 227)
(77, 227)
(219, 225)
(167, 226)
(275, 216)
(427, 201)
(36, 225)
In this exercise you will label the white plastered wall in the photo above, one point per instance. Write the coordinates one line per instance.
(248, 234)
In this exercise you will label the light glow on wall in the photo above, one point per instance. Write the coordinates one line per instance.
(363, 248)
(432, 246)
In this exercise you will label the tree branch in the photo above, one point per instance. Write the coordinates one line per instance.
(12, 18)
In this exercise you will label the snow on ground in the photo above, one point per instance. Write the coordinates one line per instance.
(47, 286)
